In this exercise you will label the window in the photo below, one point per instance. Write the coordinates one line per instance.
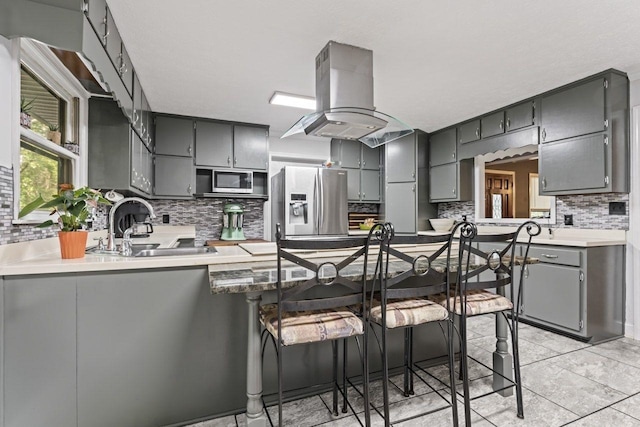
(56, 101)
(507, 187)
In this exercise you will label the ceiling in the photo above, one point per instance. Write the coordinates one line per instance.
(435, 63)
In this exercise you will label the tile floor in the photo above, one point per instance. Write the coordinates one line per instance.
(566, 382)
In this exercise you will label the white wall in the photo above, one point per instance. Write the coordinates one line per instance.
(632, 327)
(7, 115)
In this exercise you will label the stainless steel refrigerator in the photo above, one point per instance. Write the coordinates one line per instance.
(309, 202)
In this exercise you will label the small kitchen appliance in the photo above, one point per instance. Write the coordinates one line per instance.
(232, 181)
(310, 202)
(232, 221)
(132, 215)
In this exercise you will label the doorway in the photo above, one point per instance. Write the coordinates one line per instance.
(499, 194)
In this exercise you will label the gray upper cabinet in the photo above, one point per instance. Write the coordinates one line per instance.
(577, 164)
(346, 153)
(443, 182)
(370, 157)
(442, 147)
(174, 176)
(520, 116)
(250, 147)
(174, 136)
(493, 124)
(400, 162)
(214, 144)
(125, 70)
(578, 110)
(469, 132)
(362, 164)
(114, 42)
(137, 104)
(97, 15)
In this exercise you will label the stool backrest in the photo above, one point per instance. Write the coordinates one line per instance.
(501, 258)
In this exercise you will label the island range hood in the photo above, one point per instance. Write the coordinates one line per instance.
(344, 100)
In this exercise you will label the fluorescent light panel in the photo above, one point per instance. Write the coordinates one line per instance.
(290, 100)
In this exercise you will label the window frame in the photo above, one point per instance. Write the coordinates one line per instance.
(41, 62)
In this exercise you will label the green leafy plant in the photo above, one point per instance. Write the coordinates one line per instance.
(54, 128)
(73, 207)
(26, 106)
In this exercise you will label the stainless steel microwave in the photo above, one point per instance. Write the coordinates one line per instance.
(226, 181)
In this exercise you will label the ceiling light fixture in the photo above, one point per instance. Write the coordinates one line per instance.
(290, 100)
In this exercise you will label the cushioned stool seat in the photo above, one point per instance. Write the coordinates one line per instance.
(478, 302)
(408, 312)
(311, 326)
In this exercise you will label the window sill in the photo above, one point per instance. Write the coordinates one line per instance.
(30, 135)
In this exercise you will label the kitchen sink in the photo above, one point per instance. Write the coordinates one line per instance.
(176, 251)
(136, 247)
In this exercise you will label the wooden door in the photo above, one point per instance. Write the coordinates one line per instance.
(499, 200)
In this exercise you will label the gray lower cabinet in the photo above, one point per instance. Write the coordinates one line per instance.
(39, 347)
(401, 206)
(578, 110)
(174, 136)
(400, 159)
(363, 185)
(174, 176)
(585, 171)
(578, 291)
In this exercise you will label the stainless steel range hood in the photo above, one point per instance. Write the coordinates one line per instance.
(344, 100)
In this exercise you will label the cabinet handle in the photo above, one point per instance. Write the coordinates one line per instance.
(358, 163)
(106, 34)
(453, 155)
(477, 132)
(413, 174)
(526, 272)
(501, 125)
(235, 161)
(364, 195)
(228, 160)
(413, 188)
(508, 123)
(544, 183)
(544, 134)
(189, 189)
(189, 149)
(453, 191)
(364, 164)
(549, 256)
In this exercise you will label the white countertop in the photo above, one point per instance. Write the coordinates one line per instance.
(43, 256)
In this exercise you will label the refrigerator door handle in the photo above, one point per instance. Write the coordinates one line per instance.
(320, 201)
(316, 197)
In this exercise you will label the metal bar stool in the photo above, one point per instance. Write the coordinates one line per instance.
(473, 295)
(399, 301)
(317, 307)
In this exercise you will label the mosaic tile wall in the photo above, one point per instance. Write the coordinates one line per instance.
(206, 216)
(364, 208)
(589, 211)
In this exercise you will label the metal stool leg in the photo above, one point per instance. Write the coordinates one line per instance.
(452, 374)
(516, 366)
(334, 345)
(344, 375)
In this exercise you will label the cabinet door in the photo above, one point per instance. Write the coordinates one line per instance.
(136, 161)
(442, 147)
(400, 162)
(149, 175)
(347, 152)
(39, 346)
(469, 132)
(145, 127)
(553, 294)
(114, 42)
(137, 103)
(353, 185)
(443, 182)
(519, 116)
(370, 185)
(97, 14)
(214, 144)
(492, 124)
(575, 164)
(125, 70)
(370, 157)
(174, 136)
(400, 206)
(174, 176)
(250, 147)
(572, 112)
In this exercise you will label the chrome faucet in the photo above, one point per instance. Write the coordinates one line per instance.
(111, 236)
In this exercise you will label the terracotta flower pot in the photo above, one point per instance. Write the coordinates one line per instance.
(54, 136)
(72, 243)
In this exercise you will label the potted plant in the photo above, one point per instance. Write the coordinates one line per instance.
(54, 134)
(25, 107)
(73, 207)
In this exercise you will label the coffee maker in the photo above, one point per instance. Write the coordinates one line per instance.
(232, 221)
(132, 215)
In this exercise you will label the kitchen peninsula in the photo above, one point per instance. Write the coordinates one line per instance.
(130, 341)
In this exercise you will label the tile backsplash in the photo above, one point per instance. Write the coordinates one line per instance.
(589, 211)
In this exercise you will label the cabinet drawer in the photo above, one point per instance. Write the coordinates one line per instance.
(552, 255)
(469, 132)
